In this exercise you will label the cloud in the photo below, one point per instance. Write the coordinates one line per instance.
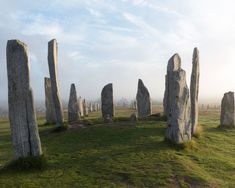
(121, 41)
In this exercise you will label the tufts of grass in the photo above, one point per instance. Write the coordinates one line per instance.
(188, 145)
(28, 163)
(198, 132)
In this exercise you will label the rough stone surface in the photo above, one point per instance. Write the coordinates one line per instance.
(227, 110)
(107, 102)
(174, 64)
(24, 128)
(177, 102)
(50, 110)
(194, 90)
(52, 63)
(144, 106)
(80, 106)
(73, 111)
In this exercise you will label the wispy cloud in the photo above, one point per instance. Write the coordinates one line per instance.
(120, 41)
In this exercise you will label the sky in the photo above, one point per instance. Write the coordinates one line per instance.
(120, 41)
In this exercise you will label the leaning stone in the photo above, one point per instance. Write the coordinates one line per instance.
(227, 110)
(24, 128)
(194, 90)
(52, 62)
(177, 103)
(107, 102)
(50, 110)
(143, 99)
(73, 112)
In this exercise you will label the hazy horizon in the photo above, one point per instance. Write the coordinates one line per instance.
(103, 42)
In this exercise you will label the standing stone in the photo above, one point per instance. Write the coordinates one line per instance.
(85, 108)
(73, 110)
(227, 110)
(24, 128)
(50, 110)
(133, 118)
(194, 90)
(177, 103)
(107, 102)
(80, 106)
(144, 106)
(174, 64)
(52, 63)
(90, 107)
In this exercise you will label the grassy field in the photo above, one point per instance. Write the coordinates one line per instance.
(123, 155)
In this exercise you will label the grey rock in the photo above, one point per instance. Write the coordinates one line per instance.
(174, 64)
(73, 111)
(143, 99)
(227, 110)
(52, 63)
(50, 110)
(107, 105)
(177, 103)
(24, 128)
(194, 90)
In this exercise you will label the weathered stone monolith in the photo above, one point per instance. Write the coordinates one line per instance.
(174, 64)
(177, 102)
(73, 111)
(227, 110)
(50, 110)
(24, 128)
(80, 106)
(144, 106)
(107, 106)
(52, 63)
(194, 90)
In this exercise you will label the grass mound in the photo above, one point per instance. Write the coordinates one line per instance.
(198, 132)
(189, 145)
(60, 129)
(28, 163)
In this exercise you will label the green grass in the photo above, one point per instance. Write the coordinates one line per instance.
(123, 155)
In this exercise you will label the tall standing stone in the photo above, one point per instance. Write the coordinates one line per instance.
(177, 102)
(80, 106)
(194, 90)
(73, 111)
(107, 102)
(50, 110)
(174, 64)
(144, 106)
(227, 110)
(24, 128)
(52, 62)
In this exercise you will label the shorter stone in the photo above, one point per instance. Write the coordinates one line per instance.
(133, 118)
(227, 110)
